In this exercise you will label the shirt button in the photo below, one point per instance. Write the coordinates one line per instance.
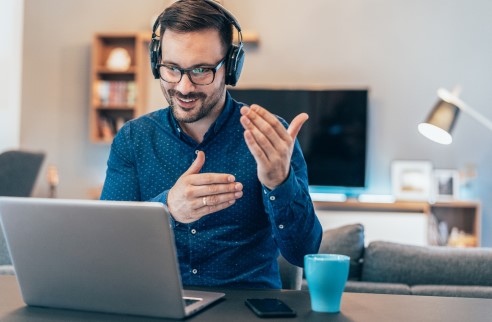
(196, 151)
(272, 198)
(179, 130)
(194, 271)
(281, 226)
(193, 231)
(264, 191)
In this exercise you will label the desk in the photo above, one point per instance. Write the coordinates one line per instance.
(355, 307)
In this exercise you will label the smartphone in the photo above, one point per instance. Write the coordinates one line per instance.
(269, 307)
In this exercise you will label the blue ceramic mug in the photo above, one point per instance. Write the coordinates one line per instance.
(326, 276)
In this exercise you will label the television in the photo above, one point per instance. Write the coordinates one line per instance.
(333, 140)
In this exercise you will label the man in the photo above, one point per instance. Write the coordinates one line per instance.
(233, 177)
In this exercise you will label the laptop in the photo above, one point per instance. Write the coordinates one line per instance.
(105, 256)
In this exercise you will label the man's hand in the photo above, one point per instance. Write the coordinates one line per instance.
(270, 143)
(195, 194)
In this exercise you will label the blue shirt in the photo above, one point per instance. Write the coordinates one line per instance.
(234, 247)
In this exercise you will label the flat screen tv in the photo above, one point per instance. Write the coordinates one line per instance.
(333, 140)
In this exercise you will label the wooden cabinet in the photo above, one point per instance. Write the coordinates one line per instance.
(118, 82)
(463, 216)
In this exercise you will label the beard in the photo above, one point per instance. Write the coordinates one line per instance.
(206, 105)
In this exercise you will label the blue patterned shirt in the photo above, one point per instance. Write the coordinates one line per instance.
(234, 247)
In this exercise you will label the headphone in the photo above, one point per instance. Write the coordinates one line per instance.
(235, 56)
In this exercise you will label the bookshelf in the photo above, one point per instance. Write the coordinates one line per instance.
(116, 92)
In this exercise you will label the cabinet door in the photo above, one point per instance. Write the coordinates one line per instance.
(399, 227)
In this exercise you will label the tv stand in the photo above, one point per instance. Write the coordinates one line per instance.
(402, 221)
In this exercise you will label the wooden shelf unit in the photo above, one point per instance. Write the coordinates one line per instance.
(116, 96)
(464, 215)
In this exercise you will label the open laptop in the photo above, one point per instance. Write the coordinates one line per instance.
(106, 256)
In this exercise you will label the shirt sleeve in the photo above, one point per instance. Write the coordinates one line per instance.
(162, 198)
(121, 175)
(122, 181)
(296, 229)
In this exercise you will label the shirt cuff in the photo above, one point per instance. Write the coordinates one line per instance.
(162, 198)
(282, 195)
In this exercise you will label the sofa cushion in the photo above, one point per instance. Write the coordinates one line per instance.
(415, 265)
(4, 253)
(379, 288)
(453, 290)
(346, 240)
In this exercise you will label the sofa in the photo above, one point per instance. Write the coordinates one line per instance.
(391, 268)
(6, 267)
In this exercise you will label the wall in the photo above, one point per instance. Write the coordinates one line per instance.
(57, 54)
(402, 50)
(11, 23)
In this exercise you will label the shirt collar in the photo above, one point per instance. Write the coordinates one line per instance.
(224, 115)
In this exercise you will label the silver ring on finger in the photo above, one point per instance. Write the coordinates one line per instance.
(204, 200)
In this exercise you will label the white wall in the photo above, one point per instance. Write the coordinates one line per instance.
(402, 50)
(11, 23)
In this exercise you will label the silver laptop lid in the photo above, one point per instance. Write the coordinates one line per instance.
(106, 256)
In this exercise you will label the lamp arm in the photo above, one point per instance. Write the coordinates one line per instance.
(454, 99)
(476, 115)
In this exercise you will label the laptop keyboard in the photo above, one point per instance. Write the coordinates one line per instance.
(189, 301)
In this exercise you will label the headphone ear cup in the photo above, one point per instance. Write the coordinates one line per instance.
(154, 51)
(234, 64)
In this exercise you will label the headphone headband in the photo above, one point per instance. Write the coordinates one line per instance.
(235, 55)
(225, 12)
(232, 20)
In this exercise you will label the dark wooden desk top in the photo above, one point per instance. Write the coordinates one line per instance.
(355, 307)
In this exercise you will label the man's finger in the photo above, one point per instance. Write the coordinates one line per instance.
(211, 178)
(263, 119)
(296, 124)
(214, 200)
(217, 189)
(211, 209)
(197, 165)
(254, 148)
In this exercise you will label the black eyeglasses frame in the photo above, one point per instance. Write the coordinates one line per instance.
(187, 71)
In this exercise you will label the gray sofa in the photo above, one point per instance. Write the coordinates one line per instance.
(6, 267)
(391, 268)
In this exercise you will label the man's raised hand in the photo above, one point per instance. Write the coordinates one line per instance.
(196, 194)
(270, 143)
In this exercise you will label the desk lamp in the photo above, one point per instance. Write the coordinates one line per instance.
(441, 120)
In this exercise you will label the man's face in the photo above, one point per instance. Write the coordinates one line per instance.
(189, 102)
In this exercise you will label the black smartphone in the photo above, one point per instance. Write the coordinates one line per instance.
(269, 308)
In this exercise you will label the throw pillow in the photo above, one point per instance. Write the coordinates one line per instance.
(346, 240)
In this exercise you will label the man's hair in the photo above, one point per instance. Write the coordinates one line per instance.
(195, 15)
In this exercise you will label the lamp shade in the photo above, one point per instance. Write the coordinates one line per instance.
(440, 122)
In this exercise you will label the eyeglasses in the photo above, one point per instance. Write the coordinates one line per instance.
(197, 75)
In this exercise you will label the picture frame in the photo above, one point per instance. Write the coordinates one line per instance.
(411, 180)
(445, 184)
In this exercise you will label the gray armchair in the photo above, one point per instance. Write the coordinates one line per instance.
(290, 275)
(18, 172)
